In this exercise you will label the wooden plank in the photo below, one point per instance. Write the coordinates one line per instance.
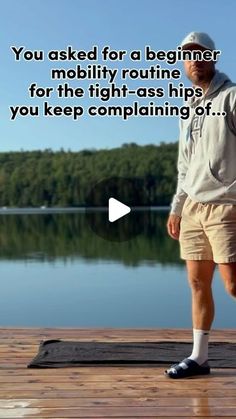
(108, 378)
(96, 372)
(125, 392)
(118, 333)
(126, 417)
(109, 412)
(118, 401)
(135, 417)
(117, 385)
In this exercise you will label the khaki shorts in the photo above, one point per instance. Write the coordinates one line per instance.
(208, 231)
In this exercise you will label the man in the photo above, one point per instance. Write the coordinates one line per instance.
(203, 209)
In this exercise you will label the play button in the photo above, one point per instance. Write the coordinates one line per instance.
(117, 210)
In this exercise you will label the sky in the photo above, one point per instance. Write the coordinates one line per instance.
(123, 25)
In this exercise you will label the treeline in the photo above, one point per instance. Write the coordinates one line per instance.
(64, 178)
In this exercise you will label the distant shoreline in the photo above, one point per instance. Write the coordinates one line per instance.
(55, 210)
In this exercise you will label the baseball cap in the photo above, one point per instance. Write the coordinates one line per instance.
(199, 38)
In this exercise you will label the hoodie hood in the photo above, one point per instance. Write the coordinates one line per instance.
(216, 83)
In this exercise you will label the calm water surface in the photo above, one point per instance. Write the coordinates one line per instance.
(55, 272)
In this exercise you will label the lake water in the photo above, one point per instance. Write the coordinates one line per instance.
(55, 272)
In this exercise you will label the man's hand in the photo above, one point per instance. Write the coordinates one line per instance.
(173, 226)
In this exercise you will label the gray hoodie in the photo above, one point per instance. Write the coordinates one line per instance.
(207, 149)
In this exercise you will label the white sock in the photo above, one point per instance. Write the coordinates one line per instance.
(200, 347)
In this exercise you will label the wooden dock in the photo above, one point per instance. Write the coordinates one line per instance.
(108, 391)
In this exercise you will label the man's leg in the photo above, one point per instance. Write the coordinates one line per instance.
(200, 275)
(228, 274)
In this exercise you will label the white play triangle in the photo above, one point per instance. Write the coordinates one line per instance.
(116, 209)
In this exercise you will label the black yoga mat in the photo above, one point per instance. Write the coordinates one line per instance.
(57, 353)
